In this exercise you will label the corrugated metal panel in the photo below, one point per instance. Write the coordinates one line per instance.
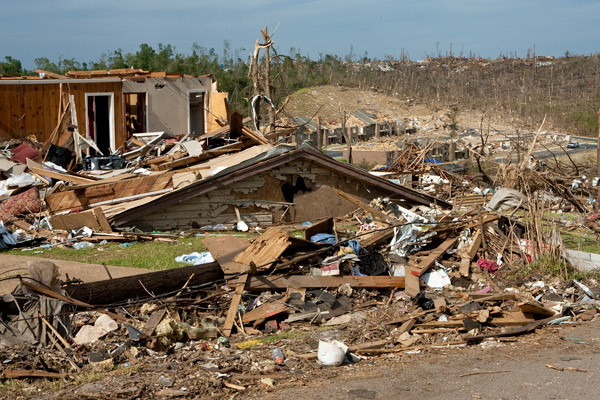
(309, 124)
(365, 116)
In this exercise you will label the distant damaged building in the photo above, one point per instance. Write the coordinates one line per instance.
(108, 107)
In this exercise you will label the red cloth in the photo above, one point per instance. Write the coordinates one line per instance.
(490, 265)
(22, 203)
(23, 152)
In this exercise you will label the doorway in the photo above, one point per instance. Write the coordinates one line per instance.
(101, 121)
(135, 113)
(195, 112)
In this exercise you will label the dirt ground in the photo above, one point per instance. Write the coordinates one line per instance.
(11, 266)
(512, 368)
(515, 368)
(508, 370)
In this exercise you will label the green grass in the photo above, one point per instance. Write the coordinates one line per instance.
(581, 241)
(290, 335)
(301, 91)
(149, 254)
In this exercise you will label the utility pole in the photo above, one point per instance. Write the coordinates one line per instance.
(348, 137)
(319, 133)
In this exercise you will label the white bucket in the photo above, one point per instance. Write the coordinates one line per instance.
(331, 353)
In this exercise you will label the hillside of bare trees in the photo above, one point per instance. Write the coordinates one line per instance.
(523, 90)
(567, 89)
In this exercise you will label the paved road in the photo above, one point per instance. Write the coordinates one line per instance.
(498, 370)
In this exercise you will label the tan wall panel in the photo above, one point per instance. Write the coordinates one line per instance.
(168, 101)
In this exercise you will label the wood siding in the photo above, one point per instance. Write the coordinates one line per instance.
(260, 200)
(32, 109)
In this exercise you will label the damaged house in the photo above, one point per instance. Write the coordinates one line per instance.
(279, 184)
(108, 107)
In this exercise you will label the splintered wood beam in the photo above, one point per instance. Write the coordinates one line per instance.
(158, 282)
(468, 255)
(233, 307)
(278, 282)
(253, 135)
(49, 74)
(516, 332)
(435, 255)
(413, 274)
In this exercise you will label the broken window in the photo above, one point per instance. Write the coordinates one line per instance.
(297, 185)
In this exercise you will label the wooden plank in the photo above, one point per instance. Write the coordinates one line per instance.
(516, 332)
(233, 307)
(102, 220)
(376, 237)
(135, 286)
(459, 324)
(93, 219)
(217, 107)
(465, 266)
(254, 136)
(413, 273)
(275, 282)
(101, 192)
(224, 249)
(435, 255)
(475, 244)
(492, 297)
(406, 326)
(28, 373)
(413, 282)
(264, 311)
(265, 249)
(323, 226)
(153, 321)
(204, 156)
(22, 224)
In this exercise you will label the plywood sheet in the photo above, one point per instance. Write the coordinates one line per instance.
(306, 281)
(217, 107)
(93, 219)
(224, 249)
(265, 249)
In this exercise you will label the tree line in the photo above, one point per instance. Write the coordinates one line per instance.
(566, 89)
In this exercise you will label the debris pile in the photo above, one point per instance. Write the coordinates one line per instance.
(337, 265)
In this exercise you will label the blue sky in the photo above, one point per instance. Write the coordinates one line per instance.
(83, 29)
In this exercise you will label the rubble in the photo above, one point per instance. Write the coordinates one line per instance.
(352, 262)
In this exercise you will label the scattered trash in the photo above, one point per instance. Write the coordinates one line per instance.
(331, 353)
(83, 245)
(195, 258)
